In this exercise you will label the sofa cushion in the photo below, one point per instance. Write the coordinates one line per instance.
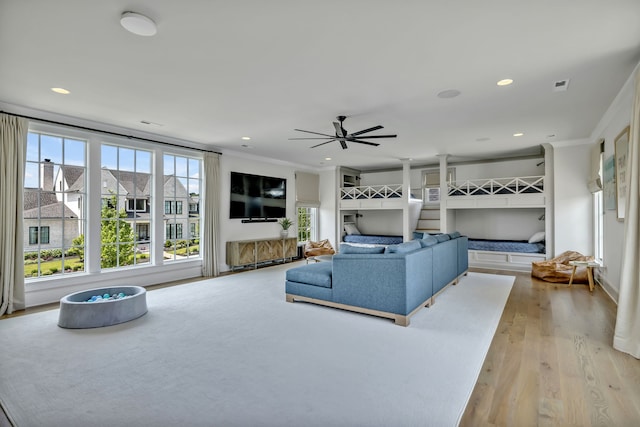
(402, 248)
(351, 249)
(417, 235)
(318, 274)
(454, 235)
(428, 240)
(442, 237)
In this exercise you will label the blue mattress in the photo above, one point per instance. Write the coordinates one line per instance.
(507, 246)
(372, 239)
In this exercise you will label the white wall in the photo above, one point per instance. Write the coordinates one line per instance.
(573, 203)
(617, 118)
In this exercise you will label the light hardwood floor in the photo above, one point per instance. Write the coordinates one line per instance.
(551, 362)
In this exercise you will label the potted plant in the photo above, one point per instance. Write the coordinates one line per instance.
(285, 223)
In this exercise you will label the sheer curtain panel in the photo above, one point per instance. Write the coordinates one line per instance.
(209, 241)
(13, 142)
(627, 332)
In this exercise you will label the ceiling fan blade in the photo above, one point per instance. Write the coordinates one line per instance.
(377, 136)
(360, 132)
(364, 142)
(322, 143)
(339, 130)
(344, 144)
(292, 139)
(315, 133)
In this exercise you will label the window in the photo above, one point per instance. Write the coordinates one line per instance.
(126, 176)
(598, 215)
(136, 205)
(53, 212)
(307, 224)
(182, 188)
(41, 237)
(122, 212)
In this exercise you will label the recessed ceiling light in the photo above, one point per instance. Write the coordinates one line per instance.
(505, 82)
(518, 134)
(138, 24)
(246, 138)
(449, 93)
(327, 158)
(60, 90)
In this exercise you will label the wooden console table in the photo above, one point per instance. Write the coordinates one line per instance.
(241, 253)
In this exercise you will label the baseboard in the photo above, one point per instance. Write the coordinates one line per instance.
(607, 288)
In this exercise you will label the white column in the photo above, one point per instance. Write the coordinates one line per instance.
(406, 192)
(444, 220)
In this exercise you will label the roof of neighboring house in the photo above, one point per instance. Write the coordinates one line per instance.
(31, 198)
(74, 175)
(54, 210)
(134, 182)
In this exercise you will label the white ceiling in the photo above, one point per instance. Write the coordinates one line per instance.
(220, 70)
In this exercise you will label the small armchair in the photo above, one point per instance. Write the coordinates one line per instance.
(323, 247)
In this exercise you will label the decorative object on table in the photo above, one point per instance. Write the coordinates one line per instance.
(285, 223)
(559, 269)
(609, 175)
(621, 145)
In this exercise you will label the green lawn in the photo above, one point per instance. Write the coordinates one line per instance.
(51, 267)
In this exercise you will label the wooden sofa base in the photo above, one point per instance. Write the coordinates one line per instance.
(397, 318)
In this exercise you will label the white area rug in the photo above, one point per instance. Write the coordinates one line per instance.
(231, 352)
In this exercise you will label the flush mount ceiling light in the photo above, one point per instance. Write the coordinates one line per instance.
(504, 82)
(138, 24)
(60, 90)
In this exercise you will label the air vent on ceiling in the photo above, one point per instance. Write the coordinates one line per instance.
(561, 85)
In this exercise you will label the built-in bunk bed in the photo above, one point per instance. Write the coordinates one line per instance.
(354, 199)
(522, 198)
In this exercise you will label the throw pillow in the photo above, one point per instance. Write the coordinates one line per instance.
(402, 248)
(537, 237)
(417, 235)
(454, 235)
(428, 240)
(442, 237)
(350, 249)
(351, 228)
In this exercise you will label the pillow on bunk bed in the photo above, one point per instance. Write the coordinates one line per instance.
(537, 237)
(351, 249)
(351, 229)
(428, 240)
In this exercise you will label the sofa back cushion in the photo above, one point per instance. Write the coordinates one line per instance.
(428, 240)
(402, 248)
(316, 274)
(351, 249)
(442, 237)
(454, 235)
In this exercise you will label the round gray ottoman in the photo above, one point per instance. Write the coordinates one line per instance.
(76, 313)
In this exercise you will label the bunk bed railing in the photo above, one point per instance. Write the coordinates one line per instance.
(495, 186)
(389, 191)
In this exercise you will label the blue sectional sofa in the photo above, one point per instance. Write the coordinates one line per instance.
(392, 282)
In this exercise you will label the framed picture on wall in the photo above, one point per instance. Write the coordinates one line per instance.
(621, 146)
(609, 184)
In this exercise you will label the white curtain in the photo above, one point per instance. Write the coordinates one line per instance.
(13, 145)
(627, 332)
(209, 241)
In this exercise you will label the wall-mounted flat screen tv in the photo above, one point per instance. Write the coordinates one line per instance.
(256, 196)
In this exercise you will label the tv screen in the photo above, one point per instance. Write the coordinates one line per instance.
(256, 196)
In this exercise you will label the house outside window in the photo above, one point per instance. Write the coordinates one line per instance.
(183, 184)
(53, 208)
(307, 224)
(136, 205)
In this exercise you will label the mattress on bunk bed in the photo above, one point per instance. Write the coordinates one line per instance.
(521, 246)
(372, 239)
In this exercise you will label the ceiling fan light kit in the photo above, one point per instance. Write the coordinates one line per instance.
(343, 136)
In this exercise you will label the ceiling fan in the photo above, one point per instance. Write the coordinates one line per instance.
(343, 136)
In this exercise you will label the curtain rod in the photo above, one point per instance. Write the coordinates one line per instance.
(53, 122)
